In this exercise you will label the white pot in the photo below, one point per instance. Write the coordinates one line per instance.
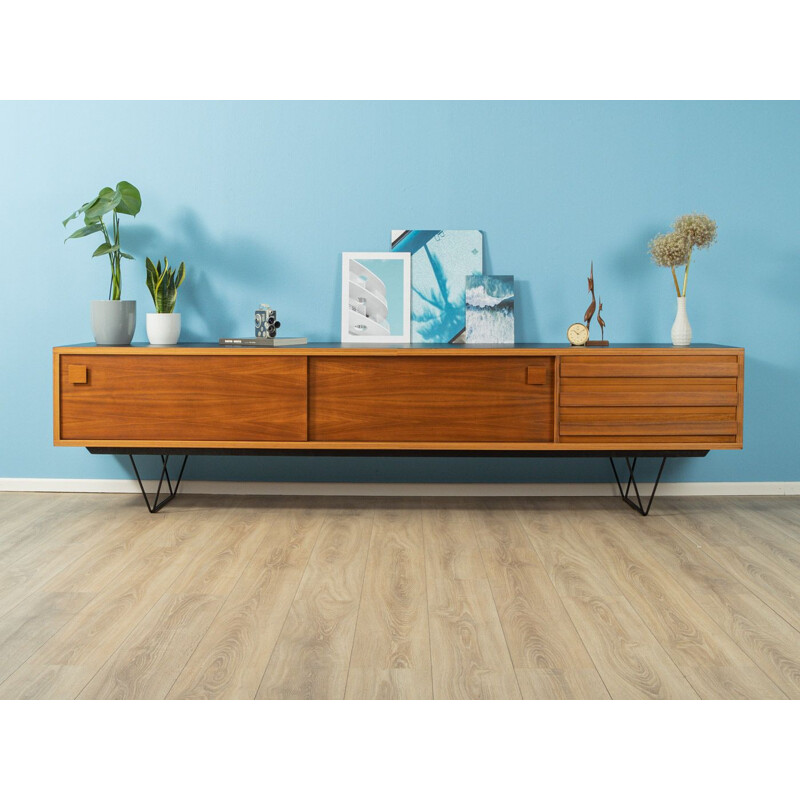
(163, 329)
(681, 329)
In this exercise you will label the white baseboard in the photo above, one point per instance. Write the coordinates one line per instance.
(402, 489)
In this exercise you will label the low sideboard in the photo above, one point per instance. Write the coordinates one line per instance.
(626, 401)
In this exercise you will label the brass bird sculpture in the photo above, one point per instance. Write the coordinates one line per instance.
(587, 317)
(600, 320)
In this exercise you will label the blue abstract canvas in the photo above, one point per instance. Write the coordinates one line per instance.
(490, 309)
(440, 263)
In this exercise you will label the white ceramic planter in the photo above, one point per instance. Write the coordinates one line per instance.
(113, 321)
(681, 329)
(163, 329)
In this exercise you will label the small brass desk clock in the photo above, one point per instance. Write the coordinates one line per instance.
(577, 334)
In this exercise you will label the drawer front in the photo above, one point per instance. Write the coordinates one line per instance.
(600, 392)
(658, 398)
(650, 422)
(651, 366)
(182, 398)
(431, 399)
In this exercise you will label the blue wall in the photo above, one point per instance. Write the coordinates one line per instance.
(260, 199)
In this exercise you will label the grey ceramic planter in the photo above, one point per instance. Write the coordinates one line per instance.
(113, 321)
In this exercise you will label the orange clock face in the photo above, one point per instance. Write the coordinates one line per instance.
(577, 334)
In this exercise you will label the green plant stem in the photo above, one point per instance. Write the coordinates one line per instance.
(675, 278)
(110, 258)
(115, 289)
(116, 255)
(686, 271)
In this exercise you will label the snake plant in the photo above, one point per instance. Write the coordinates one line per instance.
(163, 284)
(125, 199)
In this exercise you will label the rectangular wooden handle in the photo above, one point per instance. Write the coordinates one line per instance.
(77, 373)
(537, 375)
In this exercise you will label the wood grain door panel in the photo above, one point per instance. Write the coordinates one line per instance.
(430, 399)
(183, 398)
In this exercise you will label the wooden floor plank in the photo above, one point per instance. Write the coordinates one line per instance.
(734, 542)
(26, 628)
(216, 569)
(18, 509)
(391, 656)
(373, 683)
(83, 558)
(557, 684)
(230, 660)
(470, 658)
(148, 662)
(770, 642)
(778, 510)
(28, 574)
(112, 548)
(738, 524)
(550, 660)
(238, 597)
(630, 660)
(89, 548)
(733, 683)
(88, 639)
(11, 502)
(697, 645)
(34, 523)
(312, 654)
(47, 682)
(771, 536)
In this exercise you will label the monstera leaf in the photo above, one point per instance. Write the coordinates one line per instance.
(85, 231)
(125, 199)
(106, 201)
(77, 213)
(130, 200)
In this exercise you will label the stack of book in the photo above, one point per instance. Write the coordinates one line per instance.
(261, 341)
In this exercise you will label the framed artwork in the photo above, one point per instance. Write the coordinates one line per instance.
(440, 261)
(376, 297)
(490, 309)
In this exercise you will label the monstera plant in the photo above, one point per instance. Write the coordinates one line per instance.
(124, 199)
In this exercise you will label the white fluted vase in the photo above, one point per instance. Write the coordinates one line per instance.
(681, 329)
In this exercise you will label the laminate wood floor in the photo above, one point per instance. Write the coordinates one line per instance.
(396, 598)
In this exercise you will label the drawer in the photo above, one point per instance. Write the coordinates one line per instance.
(653, 423)
(651, 366)
(187, 398)
(649, 392)
(649, 398)
(431, 399)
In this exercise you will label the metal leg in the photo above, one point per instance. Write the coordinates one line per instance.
(638, 505)
(157, 506)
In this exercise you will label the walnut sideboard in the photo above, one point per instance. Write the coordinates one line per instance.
(346, 399)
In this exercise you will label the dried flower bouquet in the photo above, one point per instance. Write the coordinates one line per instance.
(674, 249)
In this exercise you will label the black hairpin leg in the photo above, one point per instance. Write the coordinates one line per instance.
(157, 506)
(638, 505)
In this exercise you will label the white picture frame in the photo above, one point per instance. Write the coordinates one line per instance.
(376, 297)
